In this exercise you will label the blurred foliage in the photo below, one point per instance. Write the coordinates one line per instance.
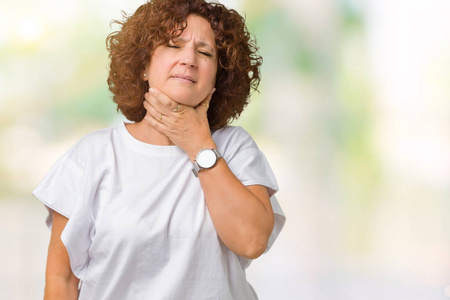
(57, 78)
(332, 66)
(359, 174)
(284, 48)
(277, 33)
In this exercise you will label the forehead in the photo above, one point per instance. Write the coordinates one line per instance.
(198, 28)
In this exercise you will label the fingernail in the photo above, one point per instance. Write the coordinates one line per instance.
(151, 90)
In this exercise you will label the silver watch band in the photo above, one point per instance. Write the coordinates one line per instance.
(197, 168)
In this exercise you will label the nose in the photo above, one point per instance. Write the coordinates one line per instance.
(188, 57)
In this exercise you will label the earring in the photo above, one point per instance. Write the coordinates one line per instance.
(145, 75)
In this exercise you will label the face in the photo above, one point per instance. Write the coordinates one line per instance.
(185, 69)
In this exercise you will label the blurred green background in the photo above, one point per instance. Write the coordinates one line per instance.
(353, 114)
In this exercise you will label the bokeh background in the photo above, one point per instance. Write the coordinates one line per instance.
(353, 114)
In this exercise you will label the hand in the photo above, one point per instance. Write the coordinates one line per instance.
(187, 127)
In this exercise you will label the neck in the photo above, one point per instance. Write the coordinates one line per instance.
(146, 133)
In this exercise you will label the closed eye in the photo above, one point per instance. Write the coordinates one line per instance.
(205, 53)
(172, 44)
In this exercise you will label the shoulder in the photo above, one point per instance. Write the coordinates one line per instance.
(233, 139)
(233, 135)
(98, 141)
(100, 137)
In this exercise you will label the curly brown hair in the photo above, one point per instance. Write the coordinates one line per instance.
(155, 23)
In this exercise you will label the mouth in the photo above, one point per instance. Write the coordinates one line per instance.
(183, 78)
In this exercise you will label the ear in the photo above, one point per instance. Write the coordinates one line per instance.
(144, 73)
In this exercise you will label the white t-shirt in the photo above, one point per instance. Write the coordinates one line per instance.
(139, 227)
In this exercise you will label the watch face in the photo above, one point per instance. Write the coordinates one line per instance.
(206, 158)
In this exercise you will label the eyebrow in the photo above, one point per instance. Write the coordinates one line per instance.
(199, 43)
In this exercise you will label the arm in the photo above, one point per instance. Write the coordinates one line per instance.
(60, 283)
(242, 216)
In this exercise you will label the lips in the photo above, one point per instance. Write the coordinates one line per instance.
(185, 78)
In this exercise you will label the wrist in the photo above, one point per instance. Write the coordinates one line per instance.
(206, 159)
(205, 145)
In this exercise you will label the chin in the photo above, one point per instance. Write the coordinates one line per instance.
(184, 99)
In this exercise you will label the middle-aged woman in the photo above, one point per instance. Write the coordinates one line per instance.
(177, 203)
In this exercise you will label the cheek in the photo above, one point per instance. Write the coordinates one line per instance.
(158, 61)
(155, 71)
(213, 74)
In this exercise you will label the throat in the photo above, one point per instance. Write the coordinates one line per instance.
(145, 133)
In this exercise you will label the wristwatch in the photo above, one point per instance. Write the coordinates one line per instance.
(206, 159)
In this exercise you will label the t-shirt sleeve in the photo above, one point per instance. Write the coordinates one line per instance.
(251, 167)
(67, 189)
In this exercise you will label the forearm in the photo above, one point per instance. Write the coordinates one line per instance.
(57, 288)
(60, 282)
(243, 221)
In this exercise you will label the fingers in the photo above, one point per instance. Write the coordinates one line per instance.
(204, 105)
(164, 101)
(176, 108)
(167, 111)
(185, 126)
(154, 120)
(153, 113)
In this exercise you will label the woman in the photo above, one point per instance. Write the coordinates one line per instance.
(176, 204)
